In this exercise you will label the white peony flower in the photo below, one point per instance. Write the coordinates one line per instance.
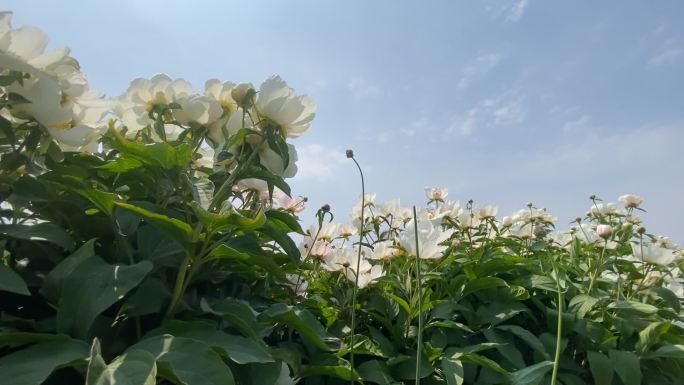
(198, 109)
(631, 201)
(383, 250)
(487, 212)
(278, 103)
(430, 238)
(653, 254)
(366, 278)
(347, 230)
(467, 221)
(436, 193)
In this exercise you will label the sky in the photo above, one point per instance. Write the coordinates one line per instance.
(501, 101)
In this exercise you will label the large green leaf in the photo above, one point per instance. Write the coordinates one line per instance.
(52, 284)
(531, 375)
(236, 312)
(186, 361)
(92, 288)
(651, 335)
(159, 154)
(627, 366)
(633, 306)
(48, 232)
(404, 368)
(283, 240)
(601, 368)
(274, 373)
(506, 347)
(177, 229)
(285, 221)
(453, 371)
(303, 322)
(667, 351)
(131, 368)
(527, 336)
(11, 281)
(12, 339)
(483, 283)
(31, 366)
(239, 349)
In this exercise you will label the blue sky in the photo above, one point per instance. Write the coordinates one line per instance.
(504, 101)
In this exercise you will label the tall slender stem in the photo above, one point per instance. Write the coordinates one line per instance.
(179, 287)
(355, 289)
(559, 327)
(419, 348)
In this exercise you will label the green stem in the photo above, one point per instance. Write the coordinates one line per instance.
(179, 287)
(356, 273)
(556, 359)
(223, 191)
(599, 265)
(420, 300)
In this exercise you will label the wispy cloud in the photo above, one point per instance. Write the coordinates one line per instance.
(318, 163)
(478, 68)
(516, 10)
(361, 88)
(508, 109)
(579, 122)
(667, 55)
(508, 10)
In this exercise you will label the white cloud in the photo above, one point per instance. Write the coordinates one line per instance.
(666, 56)
(516, 10)
(508, 109)
(478, 68)
(360, 88)
(576, 123)
(318, 163)
(417, 125)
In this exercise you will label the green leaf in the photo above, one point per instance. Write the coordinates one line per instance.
(531, 375)
(92, 288)
(634, 306)
(31, 366)
(453, 371)
(651, 335)
(601, 368)
(303, 322)
(180, 231)
(667, 351)
(506, 347)
(159, 154)
(530, 339)
(218, 222)
(238, 313)
(483, 284)
(290, 223)
(274, 373)
(484, 362)
(133, 367)
(23, 338)
(627, 366)
(404, 367)
(186, 361)
(52, 284)
(48, 232)
(336, 371)
(11, 281)
(122, 164)
(584, 303)
(283, 240)
(239, 349)
(375, 371)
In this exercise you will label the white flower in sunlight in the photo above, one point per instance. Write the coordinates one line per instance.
(604, 209)
(534, 215)
(487, 212)
(390, 207)
(664, 242)
(507, 221)
(604, 231)
(523, 231)
(320, 249)
(288, 203)
(383, 250)
(466, 220)
(561, 238)
(143, 95)
(219, 131)
(586, 233)
(328, 231)
(222, 93)
(23, 49)
(347, 230)
(631, 201)
(297, 283)
(652, 253)
(450, 209)
(258, 186)
(198, 109)
(368, 200)
(430, 239)
(279, 103)
(436, 193)
(275, 163)
(366, 278)
(345, 260)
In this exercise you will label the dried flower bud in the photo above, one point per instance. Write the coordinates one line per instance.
(325, 208)
(350, 154)
(592, 197)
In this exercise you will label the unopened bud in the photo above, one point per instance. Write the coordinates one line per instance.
(244, 95)
(350, 153)
(604, 231)
(592, 197)
(507, 221)
(325, 208)
(641, 230)
(529, 205)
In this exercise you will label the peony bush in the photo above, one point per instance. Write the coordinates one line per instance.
(149, 239)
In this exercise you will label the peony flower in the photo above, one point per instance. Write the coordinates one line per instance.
(383, 250)
(297, 283)
(278, 103)
(345, 260)
(487, 212)
(346, 230)
(653, 254)
(430, 238)
(366, 278)
(630, 201)
(507, 221)
(327, 231)
(604, 209)
(436, 193)
(289, 203)
(467, 221)
(197, 109)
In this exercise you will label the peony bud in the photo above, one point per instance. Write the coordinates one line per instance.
(604, 231)
(244, 95)
(507, 221)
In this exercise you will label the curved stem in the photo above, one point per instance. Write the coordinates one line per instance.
(356, 273)
(559, 329)
(179, 287)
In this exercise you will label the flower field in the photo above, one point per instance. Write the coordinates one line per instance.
(150, 239)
